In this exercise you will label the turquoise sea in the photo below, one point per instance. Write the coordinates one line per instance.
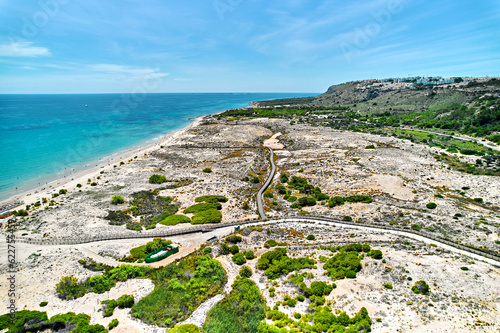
(47, 137)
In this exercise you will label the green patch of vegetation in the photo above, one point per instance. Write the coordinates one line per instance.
(239, 259)
(291, 198)
(117, 199)
(211, 198)
(124, 301)
(35, 321)
(245, 272)
(276, 263)
(388, 286)
(421, 287)
(311, 237)
(42, 304)
(207, 216)
(241, 311)
(112, 324)
(185, 328)
(157, 179)
(207, 170)
(179, 289)
(268, 195)
(338, 201)
(70, 288)
(416, 227)
(20, 212)
(270, 243)
(117, 217)
(175, 219)
(322, 320)
(464, 268)
(201, 207)
(431, 205)
(153, 207)
(348, 261)
(370, 147)
(233, 239)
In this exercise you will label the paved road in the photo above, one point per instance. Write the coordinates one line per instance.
(260, 204)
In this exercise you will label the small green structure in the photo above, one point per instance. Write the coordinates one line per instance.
(162, 253)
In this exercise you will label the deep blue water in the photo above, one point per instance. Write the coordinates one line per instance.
(46, 137)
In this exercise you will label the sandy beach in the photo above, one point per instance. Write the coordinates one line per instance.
(70, 182)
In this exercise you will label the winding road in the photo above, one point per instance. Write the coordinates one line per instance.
(260, 204)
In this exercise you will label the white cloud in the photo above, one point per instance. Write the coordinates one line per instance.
(22, 49)
(119, 69)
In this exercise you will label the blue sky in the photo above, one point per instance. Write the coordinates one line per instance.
(70, 46)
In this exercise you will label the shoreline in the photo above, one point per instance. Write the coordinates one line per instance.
(106, 163)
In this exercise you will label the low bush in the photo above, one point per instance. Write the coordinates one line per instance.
(338, 201)
(464, 268)
(270, 243)
(207, 170)
(416, 227)
(421, 287)
(117, 199)
(201, 207)
(157, 179)
(234, 249)
(211, 198)
(134, 226)
(370, 147)
(233, 239)
(291, 198)
(375, 254)
(388, 286)
(276, 263)
(245, 272)
(208, 216)
(239, 259)
(20, 212)
(479, 200)
(42, 304)
(112, 324)
(431, 205)
(249, 255)
(311, 237)
(268, 195)
(241, 311)
(175, 219)
(185, 328)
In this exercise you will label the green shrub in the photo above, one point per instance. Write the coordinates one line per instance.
(421, 287)
(157, 179)
(281, 189)
(175, 219)
(20, 212)
(438, 195)
(208, 216)
(416, 227)
(311, 237)
(346, 218)
(207, 170)
(233, 239)
(179, 289)
(113, 324)
(207, 250)
(245, 272)
(300, 298)
(276, 263)
(93, 184)
(268, 195)
(370, 147)
(42, 304)
(338, 266)
(291, 198)
(375, 254)
(134, 226)
(234, 249)
(141, 252)
(388, 286)
(185, 328)
(201, 207)
(306, 201)
(270, 243)
(63, 191)
(70, 288)
(78, 185)
(241, 311)
(249, 255)
(211, 198)
(117, 199)
(350, 274)
(431, 205)
(284, 178)
(338, 201)
(239, 259)
(255, 180)
(464, 268)
(479, 200)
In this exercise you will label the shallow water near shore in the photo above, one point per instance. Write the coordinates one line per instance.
(47, 137)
